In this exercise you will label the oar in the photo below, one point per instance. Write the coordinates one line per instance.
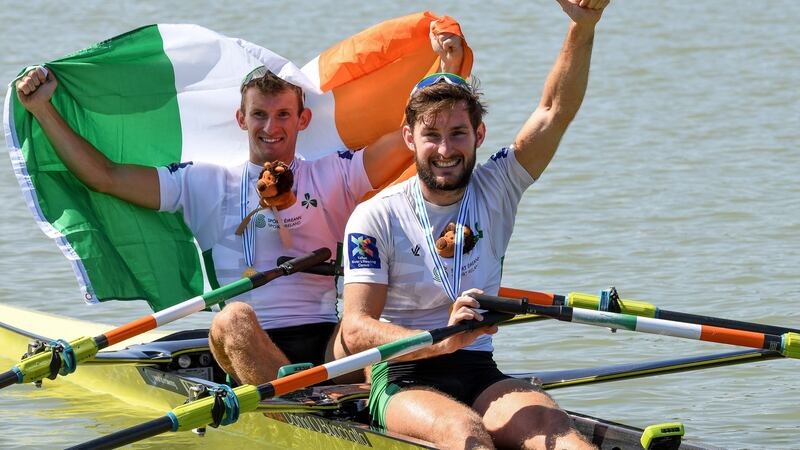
(225, 405)
(788, 344)
(554, 379)
(62, 357)
(637, 308)
(594, 302)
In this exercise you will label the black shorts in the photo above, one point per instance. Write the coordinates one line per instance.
(463, 375)
(303, 343)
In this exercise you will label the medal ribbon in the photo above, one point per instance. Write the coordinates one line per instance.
(452, 290)
(249, 235)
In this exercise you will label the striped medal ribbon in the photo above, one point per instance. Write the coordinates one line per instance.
(451, 289)
(249, 235)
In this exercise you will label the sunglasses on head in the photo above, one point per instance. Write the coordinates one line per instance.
(260, 72)
(256, 73)
(449, 78)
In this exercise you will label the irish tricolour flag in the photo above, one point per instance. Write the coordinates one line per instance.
(167, 93)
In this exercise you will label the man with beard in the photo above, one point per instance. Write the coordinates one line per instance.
(399, 280)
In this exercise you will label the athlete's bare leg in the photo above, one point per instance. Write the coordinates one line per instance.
(242, 348)
(518, 414)
(430, 415)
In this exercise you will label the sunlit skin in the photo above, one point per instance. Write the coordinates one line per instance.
(445, 150)
(272, 123)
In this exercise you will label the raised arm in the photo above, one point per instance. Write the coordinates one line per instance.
(136, 184)
(380, 161)
(537, 141)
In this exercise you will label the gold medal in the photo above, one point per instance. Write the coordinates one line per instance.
(249, 272)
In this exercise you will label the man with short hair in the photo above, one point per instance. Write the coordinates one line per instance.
(402, 277)
(298, 313)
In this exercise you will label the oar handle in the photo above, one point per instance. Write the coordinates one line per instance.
(289, 267)
(304, 262)
(493, 303)
(8, 378)
(490, 318)
(129, 435)
(329, 268)
(521, 306)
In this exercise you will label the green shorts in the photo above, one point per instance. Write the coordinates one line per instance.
(462, 375)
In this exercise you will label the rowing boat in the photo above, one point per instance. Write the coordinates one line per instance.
(167, 369)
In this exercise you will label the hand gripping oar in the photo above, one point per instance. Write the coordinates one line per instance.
(61, 357)
(609, 301)
(788, 344)
(226, 404)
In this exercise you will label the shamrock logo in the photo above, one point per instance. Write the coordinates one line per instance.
(479, 234)
(308, 201)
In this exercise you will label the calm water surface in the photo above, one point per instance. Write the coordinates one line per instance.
(677, 183)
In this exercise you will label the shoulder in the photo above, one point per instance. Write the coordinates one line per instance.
(385, 201)
(342, 158)
(379, 208)
(498, 160)
(391, 193)
(340, 167)
(501, 154)
(504, 165)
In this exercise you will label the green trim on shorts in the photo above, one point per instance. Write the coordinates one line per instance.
(380, 393)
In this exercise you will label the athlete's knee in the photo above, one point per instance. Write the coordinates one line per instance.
(233, 318)
(462, 431)
(553, 427)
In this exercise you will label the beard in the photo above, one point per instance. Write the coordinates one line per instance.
(426, 175)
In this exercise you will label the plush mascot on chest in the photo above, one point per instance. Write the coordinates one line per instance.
(446, 244)
(275, 186)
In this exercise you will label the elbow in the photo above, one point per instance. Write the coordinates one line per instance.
(350, 332)
(564, 118)
(559, 115)
(102, 185)
(103, 180)
(353, 331)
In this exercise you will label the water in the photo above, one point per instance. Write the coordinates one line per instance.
(676, 183)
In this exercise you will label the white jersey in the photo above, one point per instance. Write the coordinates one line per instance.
(385, 244)
(209, 197)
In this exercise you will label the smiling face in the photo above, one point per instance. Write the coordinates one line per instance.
(272, 122)
(444, 147)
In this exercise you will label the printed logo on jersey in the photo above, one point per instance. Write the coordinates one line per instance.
(308, 201)
(415, 250)
(478, 233)
(363, 252)
(261, 221)
(345, 154)
(174, 167)
(502, 153)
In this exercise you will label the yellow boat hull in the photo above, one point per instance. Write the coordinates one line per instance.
(124, 381)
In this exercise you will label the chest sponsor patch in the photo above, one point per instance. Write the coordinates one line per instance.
(363, 252)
